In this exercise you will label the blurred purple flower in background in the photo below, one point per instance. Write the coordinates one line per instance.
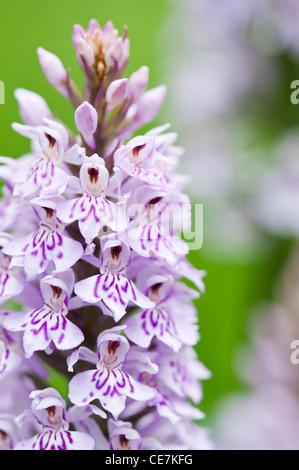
(240, 53)
(234, 75)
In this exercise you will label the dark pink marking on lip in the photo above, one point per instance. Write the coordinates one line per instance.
(123, 384)
(56, 326)
(25, 248)
(107, 391)
(154, 322)
(73, 208)
(51, 244)
(130, 383)
(3, 283)
(60, 239)
(143, 326)
(100, 385)
(43, 249)
(90, 211)
(63, 447)
(124, 288)
(119, 295)
(61, 337)
(115, 392)
(45, 436)
(133, 291)
(104, 287)
(69, 436)
(142, 238)
(37, 238)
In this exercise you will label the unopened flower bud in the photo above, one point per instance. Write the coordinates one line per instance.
(54, 70)
(117, 92)
(86, 119)
(138, 82)
(33, 108)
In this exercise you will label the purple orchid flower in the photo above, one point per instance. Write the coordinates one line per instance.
(109, 383)
(49, 410)
(47, 244)
(48, 323)
(124, 437)
(112, 286)
(46, 173)
(165, 320)
(93, 210)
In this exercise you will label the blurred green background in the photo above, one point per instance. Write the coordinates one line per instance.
(233, 287)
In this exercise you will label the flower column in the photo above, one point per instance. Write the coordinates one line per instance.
(95, 263)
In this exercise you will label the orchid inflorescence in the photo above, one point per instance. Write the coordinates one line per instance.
(91, 268)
